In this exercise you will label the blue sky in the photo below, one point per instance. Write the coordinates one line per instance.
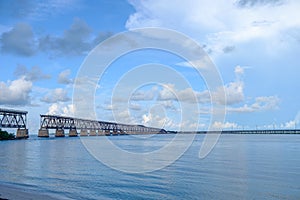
(255, 45)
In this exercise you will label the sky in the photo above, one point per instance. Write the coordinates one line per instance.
(254, 44)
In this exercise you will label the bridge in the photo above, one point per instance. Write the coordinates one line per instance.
(257, 131)
(89, 127)
(14, 119)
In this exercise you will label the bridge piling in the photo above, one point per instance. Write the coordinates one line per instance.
(59, 133)
(83, 132)
(22, 133)
(73, 133)
(43, 133)
(93, 133)
(100, 133)
(107, 132)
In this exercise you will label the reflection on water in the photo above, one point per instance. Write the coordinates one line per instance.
(239, 167)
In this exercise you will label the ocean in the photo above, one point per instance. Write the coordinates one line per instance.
(239, 167)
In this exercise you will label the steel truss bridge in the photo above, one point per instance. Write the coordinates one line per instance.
(62, 123)
(13, 118)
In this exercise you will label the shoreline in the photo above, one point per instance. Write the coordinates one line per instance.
(13, 192)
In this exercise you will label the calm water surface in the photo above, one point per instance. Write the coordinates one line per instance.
(239, 167)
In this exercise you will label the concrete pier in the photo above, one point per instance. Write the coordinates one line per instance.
(93, 133)
(73, 133)
(59, 133)
(107, 132)
(115, 133)
(43, 133)
(100, 133)
(122, 132)
(22, 133)
(83, 132)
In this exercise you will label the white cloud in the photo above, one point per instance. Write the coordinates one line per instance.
(234, 92)
(261, 104)
(238, 70)
(63, 77)
(158, 121)
(34, 73)
(220, 24)
(61, 109)
(56, 95)
(289, 125)
(15, 92)
(225, 125)
(170, 93)
(144, 95)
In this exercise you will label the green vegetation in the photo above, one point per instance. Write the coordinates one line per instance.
(4, 135)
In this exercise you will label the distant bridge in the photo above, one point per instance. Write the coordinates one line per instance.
(14, 119)
(258, 131)
(89, 127)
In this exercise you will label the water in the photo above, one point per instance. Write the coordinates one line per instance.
(239, 167)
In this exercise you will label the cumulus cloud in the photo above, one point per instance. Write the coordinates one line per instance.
(19, 40)
(292, 124)
(156, 120)
(78, 39)
(223, 25)
(234, 92)
(74, 41)
(56, 95)
(61, 109)
(63, 77)
(144, 95)
(261, 104)
(225, 125)
(15, 92)
(32, 74)
(239, 71)
(171, 93)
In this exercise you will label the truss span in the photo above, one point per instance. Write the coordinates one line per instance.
(62, 122)
(13, 118)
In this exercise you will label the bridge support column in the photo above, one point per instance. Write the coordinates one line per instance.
(73, 133)
(93, 133)
(107, 132)
(22, 133)
(83, 132)
(115, 133)
(43, 133)
(100, 132)
(59, 133)
(122, 132)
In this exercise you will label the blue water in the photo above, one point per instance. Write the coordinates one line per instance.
(239, 167)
